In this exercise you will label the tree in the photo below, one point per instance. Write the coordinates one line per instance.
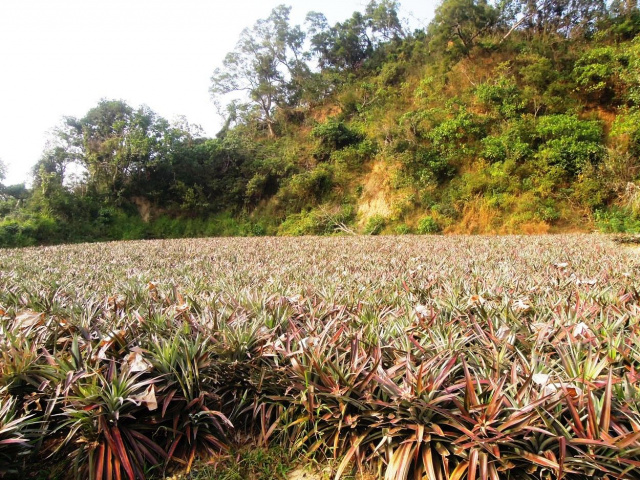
(384, 21)
(349, 44)
(3, 171)
(63, 148)
(268, 64)
(120, 144)
(623, 7)
(566, 17)
(459, 23)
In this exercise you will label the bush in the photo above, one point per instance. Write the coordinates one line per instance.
(617, 220)
(403, 229)
(306, 189)
(298, 224)
(375, 225)
(428, 226)
(502, 95)
(595, 73)
(321, 221)
(569, 142)
(333, 135)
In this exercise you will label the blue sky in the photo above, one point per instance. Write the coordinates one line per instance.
(60, 57)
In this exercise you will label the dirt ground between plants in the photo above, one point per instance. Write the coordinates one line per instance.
(307, 473)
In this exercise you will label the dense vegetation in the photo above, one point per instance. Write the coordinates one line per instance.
(513, 116)
(414, 357)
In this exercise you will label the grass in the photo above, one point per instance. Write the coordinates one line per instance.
(246, 464)
(405, 357)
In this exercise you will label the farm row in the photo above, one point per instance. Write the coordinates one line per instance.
(417, 357)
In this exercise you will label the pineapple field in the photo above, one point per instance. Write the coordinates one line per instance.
(414, 357)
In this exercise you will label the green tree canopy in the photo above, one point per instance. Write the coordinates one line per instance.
(268, 64)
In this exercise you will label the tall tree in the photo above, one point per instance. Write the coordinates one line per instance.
(348, 44)
(118, 144)
(3, 171)
(64, 147)
(268, 64)
(384, 20)
(458, 24)
(565, 17)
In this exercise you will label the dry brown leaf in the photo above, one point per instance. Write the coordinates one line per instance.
(28, 319)
(149, 398)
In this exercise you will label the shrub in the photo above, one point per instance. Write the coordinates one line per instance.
(569, 142)
(428, 226)
(332, 135)
(306, 189)
(617, 220)
(375, 225)
(502, 95)
(403, 229)
(595, 72)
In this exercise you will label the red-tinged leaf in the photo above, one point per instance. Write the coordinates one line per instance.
(563, 455)
(493, 473)
(349, 455)
(136, 446)
(193, 403)
(400, 462)
(435, 428)
(192, 456)
(593, 430)
(445, 466)
(590, 441)
(173, 447)
(109, 462)
(370, 375)
(13, 441)
(100, 465)
(459, 471)
(415, 343)
(419, 435)
(538, 430)
(116, 467)
(123, 457)
(418, 471)
(267, 434)
(470, 396)
(216, 442)
(517, 419)
(148, 443)
(427, 460)
(484, 466)
(167, 401)
(625, 440)
(146, 454)
(628, 461)
(577, 423)
(496, 399)
(541, 461)
(551, 456)
(605, 413)
(473, 464)
(444, 373)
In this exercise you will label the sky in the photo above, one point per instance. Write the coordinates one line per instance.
(60, 57)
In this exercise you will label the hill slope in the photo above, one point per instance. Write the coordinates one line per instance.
(506, 118)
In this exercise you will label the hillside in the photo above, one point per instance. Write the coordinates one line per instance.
(513, 117)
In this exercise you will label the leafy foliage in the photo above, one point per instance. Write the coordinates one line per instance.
(487, 357)
(498, 117)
